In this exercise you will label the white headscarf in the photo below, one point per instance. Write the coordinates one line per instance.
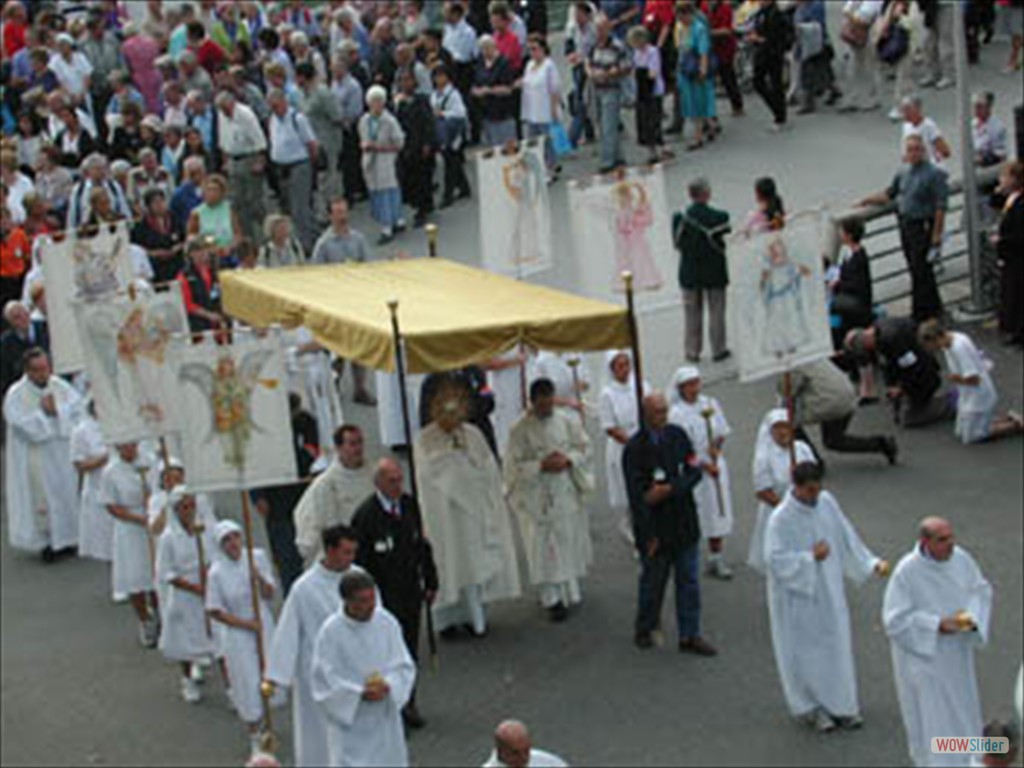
(609, 378)
(764, 432)
(224, 529)
(681, 376)
(174, 498)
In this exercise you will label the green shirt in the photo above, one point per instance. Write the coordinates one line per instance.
(699, 235)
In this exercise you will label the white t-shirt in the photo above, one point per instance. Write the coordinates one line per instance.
(539, 83)
(930, 133)
(71, 74)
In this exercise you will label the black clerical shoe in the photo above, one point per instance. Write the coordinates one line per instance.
(48, 555)
(558, 613)
(412, 718)
(697, 645)
(891, 450)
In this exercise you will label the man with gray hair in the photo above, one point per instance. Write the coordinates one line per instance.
(916, 123)
(242, 145)
(699, 235)
(95, 174)
(988, 134)
(936, 613)
(293, 145)
(21, 336)
(513, 748)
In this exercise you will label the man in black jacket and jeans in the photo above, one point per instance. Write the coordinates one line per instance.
(661, 472)
(392, 549)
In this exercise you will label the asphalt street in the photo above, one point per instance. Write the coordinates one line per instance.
(75, 687)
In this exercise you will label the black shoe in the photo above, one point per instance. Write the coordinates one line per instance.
(384, 239)
(449, 633)
(697, 645)
(473, 633)
(66, 552)
(558, 613)
(48, 554)
(891, 450)
(723, 355)
(643, 641)
(419, 220)
(412, 718)
(399, 228)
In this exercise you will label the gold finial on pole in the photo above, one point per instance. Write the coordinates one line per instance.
(627, 279)
(431, 230)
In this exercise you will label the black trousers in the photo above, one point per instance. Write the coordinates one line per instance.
(455, 180)
(407, 608)
(351, 167)
(916, 240)
(280, 524)
(836, 438)
(727, 74)
(768, 82)
(416, 176)
(1011, 310)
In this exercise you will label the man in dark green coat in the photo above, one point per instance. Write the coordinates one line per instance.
(699, 235)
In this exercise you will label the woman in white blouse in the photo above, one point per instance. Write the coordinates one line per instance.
(541, 94)
(862, 88)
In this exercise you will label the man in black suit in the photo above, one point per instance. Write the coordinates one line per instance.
(21, 336)
(392, 549)
(661, 472)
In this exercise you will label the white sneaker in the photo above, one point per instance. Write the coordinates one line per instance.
(190, 691)
(198, 674)
(823, 723)
(720, 570)
(895, 115)
(944, 83)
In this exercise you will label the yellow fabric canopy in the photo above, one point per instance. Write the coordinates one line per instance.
(450, 315)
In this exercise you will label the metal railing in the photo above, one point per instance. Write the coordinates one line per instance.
(889, 274)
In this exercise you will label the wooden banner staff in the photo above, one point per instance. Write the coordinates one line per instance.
(634, 345)
(396, 334)
(787, 396)
(574, 364)
(198, 528)
(708, 414)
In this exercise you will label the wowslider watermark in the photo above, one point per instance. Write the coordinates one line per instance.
(970, 745)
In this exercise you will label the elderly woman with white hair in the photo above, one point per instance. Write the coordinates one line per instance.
(381, 139)
(494, 95)
(281, 248)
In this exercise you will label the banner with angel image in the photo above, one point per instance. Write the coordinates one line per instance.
(777, 305)
(236, 430)
(515, 219)
(85, 269)
(125, 338)
(621, 223)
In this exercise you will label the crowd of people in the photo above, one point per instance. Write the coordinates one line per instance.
(235, 135)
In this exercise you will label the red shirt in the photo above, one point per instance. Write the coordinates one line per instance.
(659, 14)
(509, 47)
(211, 56)
(721, 18)
(15, 253)
(206, 275)
(14, 38)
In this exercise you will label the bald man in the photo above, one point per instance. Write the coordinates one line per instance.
(514, 749)
(936, 613)
(393, 550)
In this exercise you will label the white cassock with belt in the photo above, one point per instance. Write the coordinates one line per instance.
(346, 654)
(935, 678)
(42, 496)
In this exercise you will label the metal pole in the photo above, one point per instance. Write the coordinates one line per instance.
(431, 230)
(634, 346)
(254, 582)
(972, 230)
(396, 334)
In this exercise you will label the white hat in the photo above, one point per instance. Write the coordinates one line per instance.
(64, 37)
(685, 374)
(224, 529)
(177, 494)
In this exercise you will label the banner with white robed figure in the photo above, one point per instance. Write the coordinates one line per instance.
(777, 306)
(621, 223)
(125, 338)
(236, 430)
(87, 269)
(515, 216)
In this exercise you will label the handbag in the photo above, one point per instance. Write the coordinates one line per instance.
(560, 143)
(854, 33)
(894, 44)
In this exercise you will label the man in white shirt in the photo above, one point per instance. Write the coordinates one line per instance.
(513, 748)
(915, 123)
(293, 145)
(242, 145)
(72, 69)
(988, 134)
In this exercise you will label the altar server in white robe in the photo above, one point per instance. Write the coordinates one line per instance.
(558, 368)
(362, 677)
(809, 547)
(186, 635)
(90, 454)
(309, 373)
(936, 614)
(312, 600)
(42, 498)
(124, 492)
(618, 413)
(389, 407)
(334, 496)
(703, 420)
(507, 377)
(229, 601)
(773, 473)
(465, 517)
(548, 476)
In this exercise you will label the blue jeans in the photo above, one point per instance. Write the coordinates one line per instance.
(532, 130)
(654, 574)
(609, 107)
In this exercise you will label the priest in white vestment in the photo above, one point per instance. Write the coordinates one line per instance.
(362, 677)
(89, 455)
(569, 375)
(513, 748)
(465, 517)
(809, 547)
(936, 614)
(389, 406)
(312, 600)
(548, 475)
(334, 496)
(42, 492)
(703, 420)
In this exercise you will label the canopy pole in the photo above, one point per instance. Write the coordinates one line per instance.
(634, 346)
(787, 396)
(396, 334)
(431, 230)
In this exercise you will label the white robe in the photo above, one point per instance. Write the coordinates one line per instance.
(549, 506)
(310, 375)
(466, 519)
(507, 386)
(229, 590)
(617, 408)
(161, 517)
(715, 519)
(331, 499)
(313, 599)
(389, 407)
(773, 470)
(183, 635)
(95, 524)
(538, 759)
(132, 571)
(807, 603)
(42, 497)
(976, 406)
(345, 655)
(935, 679)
